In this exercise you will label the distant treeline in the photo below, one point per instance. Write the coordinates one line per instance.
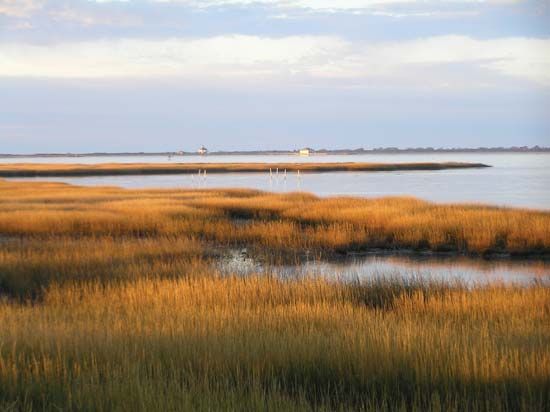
(378, 150)
(513, 149)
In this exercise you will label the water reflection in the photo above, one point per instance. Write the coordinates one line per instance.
(447, 269)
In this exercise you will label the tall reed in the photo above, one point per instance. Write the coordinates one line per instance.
(211, 343)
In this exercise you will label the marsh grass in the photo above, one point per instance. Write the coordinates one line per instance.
(295, 221)
(114, 169)
(258, 343)
(53, 232)
(110, 301)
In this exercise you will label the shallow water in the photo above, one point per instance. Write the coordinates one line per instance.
(516, 179)
(520, 180)
(447, 269)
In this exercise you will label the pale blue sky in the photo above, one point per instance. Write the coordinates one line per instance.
(155, 75)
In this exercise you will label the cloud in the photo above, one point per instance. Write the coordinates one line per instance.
(430, 60)
(19, 8)
(324, 4)
(218, 56)
(332, 5)
(92, 17)
(522, 57)
(388, 8)
(76, 10)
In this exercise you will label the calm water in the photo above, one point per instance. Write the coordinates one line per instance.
(521, 180)
(514, 180)
(448, 269)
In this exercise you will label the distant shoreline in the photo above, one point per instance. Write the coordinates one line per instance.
(386, 150)
(137, 169)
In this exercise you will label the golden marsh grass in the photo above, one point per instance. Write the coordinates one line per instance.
(106, 169)
(110, 300)
(211, 343)
(286, 222)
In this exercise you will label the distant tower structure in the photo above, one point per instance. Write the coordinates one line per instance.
(202, 151)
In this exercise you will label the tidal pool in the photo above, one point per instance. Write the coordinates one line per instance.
(450, 269)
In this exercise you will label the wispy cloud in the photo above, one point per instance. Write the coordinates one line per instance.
(303, 57)
(329, 4)
(400, 8)
(20, 8)
(86, 17)
(387, 8)
(219, 56)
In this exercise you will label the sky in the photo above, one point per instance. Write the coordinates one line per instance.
(168, 75)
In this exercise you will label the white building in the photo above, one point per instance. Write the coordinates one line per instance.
(202, 151)
(306, 151)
